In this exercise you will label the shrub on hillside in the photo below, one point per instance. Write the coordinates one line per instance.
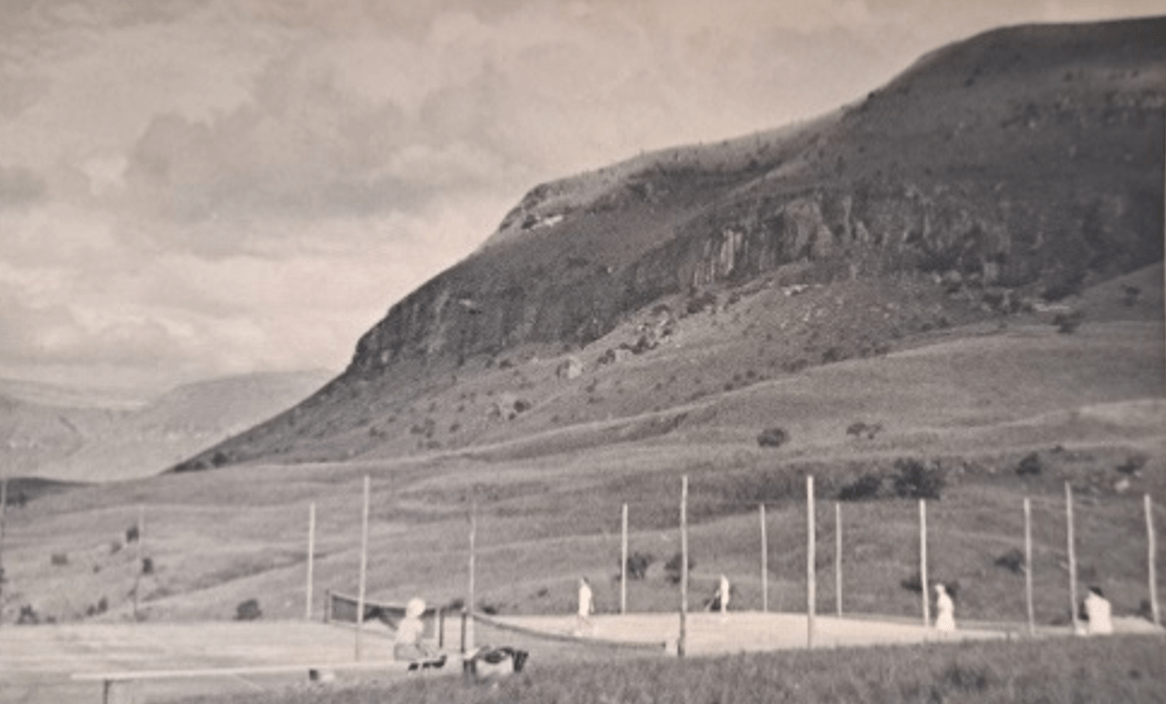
(1130, 295)
(859, 429)
(248, 610)
(672, 567)
(1013, 561)
(772, 437)
(28, 616)
(1133, 465)
(1031, 465)
(638, 564)
(131, 534)
(698, 302)
(1067, 323)
(865, 488)
(147, 565)
(59, 559)
(915, 480)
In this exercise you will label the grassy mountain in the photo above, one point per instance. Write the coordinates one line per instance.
(952, 288)
(49, 433)
(991, 182)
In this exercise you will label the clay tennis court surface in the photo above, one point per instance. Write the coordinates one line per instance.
(37, 662)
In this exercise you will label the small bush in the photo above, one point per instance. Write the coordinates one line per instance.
(248, 610)
(638, 564)
(147, 565)
(1133, 465)
(28, 616)
(131, 534)
(917, 481)
(860, 429)
(864, 488)
(672, 567)
(59, 559)
(1031, 465)
(1067, 323)
(912, 583)
(97, 609)
(772, 437)
(699, 302)
(1013, 561)
(1130, 295)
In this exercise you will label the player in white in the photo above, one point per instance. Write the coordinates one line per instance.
(944, 610)
(1098, 612)
(722, 595)
(586, 607)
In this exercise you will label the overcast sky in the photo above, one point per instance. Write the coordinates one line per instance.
(195, 188)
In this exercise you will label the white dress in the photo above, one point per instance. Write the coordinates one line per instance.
(945, 613)
(585, 606)
(1097, 609)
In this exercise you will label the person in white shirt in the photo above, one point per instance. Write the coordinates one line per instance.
(722, 596)
(586, 607)
(1098, 612)
(944, 610)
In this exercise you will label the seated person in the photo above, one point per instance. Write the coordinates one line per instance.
(408, 644)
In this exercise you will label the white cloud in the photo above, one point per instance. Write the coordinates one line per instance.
(194, 187)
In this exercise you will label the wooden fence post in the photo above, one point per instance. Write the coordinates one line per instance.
(1072, 553)
(923, 561)
(1151, 559)
(838, 558)
(363, 567)
(1028, 566)
(764, 562)
(680, 642)
(811, 583)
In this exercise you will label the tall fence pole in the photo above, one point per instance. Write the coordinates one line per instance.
(623, 561)
(468, 621)
(1072, 553)
(311, 560)
(838, 558)
(139, 562)
(1151, 558)
(764, 562)
(811, 584)
(1028, 566)
(680, 642)
(923, 561)
(363, 567)
(3, 509)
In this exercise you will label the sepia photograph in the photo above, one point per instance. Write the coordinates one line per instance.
(582, 351)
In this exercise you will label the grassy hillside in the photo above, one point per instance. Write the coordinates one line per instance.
(66, 435)
(998, 411)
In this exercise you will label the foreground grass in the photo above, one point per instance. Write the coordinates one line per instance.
(1118, 669)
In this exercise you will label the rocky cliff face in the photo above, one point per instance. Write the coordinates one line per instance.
(1022, 164)
(1028, 159)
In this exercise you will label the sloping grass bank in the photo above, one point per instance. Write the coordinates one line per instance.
(1117, 669)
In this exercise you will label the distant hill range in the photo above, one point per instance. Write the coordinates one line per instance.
(1000, 181)
(67, 435)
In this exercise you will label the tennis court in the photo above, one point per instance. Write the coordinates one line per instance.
(39, 661)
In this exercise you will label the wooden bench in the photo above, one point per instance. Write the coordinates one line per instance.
(117, 687)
